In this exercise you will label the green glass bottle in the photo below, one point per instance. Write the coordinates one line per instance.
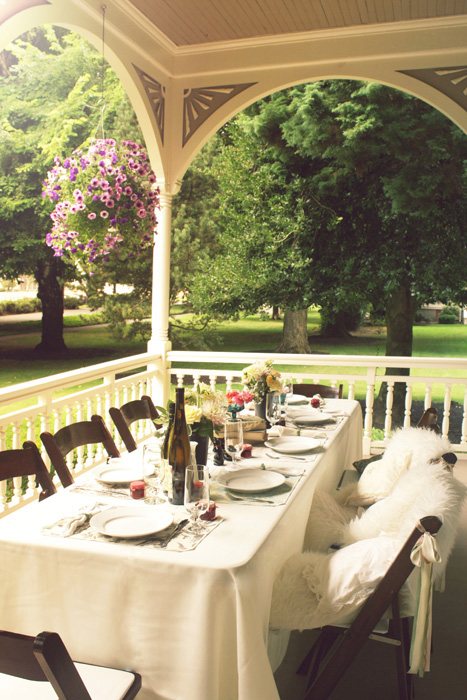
(165, 471)
(179, 450)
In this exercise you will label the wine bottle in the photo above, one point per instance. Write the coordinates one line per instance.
(179, 450)
(165, 471)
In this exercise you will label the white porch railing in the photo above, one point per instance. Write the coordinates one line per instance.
(28, 409)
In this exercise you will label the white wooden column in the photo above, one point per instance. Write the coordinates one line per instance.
(160, 342)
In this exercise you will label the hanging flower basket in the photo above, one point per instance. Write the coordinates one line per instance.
(105, 201)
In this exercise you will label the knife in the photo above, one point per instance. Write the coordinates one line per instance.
(175, 531)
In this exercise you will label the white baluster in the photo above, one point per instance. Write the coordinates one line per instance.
(447, 410)
(464, 420)
(196, 379)
(351, 394)
(212, 381)
(15, 436)
(370, 396)
(180, 378)
(408, 405)
(428, 389)
(389, 405)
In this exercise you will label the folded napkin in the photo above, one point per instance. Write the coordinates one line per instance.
(65, 527)
(282, 431)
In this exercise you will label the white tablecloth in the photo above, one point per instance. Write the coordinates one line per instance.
(194, 624)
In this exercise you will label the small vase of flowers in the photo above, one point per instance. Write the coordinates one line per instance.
(261, 378)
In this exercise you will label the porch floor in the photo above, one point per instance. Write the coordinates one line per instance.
(372, 674)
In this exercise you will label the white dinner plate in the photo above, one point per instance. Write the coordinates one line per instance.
(297, 399)
(118, 472)
(307, 419)
(131, 522)
(250, 480)
(292, 445)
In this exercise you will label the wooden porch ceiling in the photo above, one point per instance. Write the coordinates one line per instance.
(193, 22)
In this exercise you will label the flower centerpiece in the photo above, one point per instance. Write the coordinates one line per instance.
(205, 409)
(105, 201)
(237, 400)
(260, 378)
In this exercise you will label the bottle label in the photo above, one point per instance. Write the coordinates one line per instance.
(169, 482)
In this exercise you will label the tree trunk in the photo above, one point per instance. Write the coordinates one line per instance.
(275, 313)
(400, 313)
(50, 292)
(294, 333)
(337, 327)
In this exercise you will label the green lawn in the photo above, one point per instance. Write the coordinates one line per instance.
(92, 345)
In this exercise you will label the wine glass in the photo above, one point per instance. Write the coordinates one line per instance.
(273, 407)
(152, 474)
(287, 390)
(196, 495)
(233, 438)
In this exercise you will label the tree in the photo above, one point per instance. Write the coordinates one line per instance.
(395, 169)
(391, 171)
(269, 224)
(50, 101)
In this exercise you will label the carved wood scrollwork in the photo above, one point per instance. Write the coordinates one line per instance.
(201, 103)
(156, 95)
(451, 81)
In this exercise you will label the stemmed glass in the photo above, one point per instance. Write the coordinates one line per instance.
(287, 390)
(233, 438)
(152, 474)
(196, 497)
(273, 407)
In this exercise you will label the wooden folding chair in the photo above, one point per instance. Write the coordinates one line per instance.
(430, 420)
(326, 392)
(27, 462)
(27, 664)
(123, 417)
(70, 437)
(339, 646)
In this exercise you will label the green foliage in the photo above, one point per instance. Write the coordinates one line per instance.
(20, 306)
(447, 319)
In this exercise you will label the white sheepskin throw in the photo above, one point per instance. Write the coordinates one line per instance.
(315, 589)
(424, 488)
(407, 448)
(428, 489)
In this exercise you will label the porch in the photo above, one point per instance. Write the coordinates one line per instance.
(448, 675)
(28, 409)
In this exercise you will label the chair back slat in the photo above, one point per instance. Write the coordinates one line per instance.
(349, 644)
(123, 417)
(326, 392)
(75, 435)
(27, 462)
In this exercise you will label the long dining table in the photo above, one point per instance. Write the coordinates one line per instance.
(193, 622)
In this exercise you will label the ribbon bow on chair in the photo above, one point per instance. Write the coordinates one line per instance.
(424, 554)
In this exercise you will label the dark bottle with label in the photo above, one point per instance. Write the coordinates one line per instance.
(218, 443)
(165, 470)
(179, 450)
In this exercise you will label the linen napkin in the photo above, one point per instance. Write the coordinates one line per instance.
(65, 527)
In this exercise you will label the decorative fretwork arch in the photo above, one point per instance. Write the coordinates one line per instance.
(451, 81)
(200, 103)
(156, 95)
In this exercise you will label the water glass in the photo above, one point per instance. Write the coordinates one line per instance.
(196, 496)
(152, 474)
(233, 438)
(273, 407)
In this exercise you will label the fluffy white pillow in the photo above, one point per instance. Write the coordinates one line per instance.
(315, 589)
(379, 478)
